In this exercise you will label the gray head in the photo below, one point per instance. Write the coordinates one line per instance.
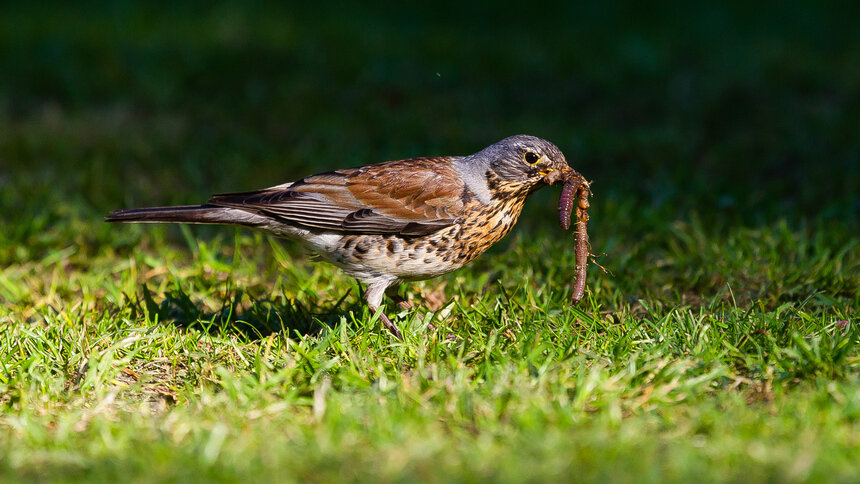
(522, 160)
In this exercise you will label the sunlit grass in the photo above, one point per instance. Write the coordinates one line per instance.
(237, 359)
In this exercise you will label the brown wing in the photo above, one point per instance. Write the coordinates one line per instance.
(407, 197)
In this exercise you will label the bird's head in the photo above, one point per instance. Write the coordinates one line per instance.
(523, 163)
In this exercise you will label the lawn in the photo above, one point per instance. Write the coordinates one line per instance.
(719, 341)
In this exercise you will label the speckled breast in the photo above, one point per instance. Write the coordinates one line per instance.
(415, 258)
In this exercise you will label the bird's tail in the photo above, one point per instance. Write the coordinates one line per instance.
(193, 214)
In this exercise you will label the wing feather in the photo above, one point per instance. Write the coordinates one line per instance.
(407, 197)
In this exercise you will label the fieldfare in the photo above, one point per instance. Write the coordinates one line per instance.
(390, 222)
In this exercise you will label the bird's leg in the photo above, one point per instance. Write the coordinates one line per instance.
(373, 296)
(389, 325)
(394, 295)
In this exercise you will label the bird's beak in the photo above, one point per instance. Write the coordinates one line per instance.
(554, 176)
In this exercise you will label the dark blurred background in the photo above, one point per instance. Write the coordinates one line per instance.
(733, 113)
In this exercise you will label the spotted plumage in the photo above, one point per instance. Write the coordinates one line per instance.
(395, 221)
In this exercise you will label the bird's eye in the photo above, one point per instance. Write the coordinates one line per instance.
(531, 157)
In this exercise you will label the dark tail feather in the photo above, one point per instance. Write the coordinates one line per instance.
(194, 214)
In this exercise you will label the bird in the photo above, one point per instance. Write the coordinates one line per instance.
(391, 222)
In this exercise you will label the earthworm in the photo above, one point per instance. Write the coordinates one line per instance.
(575, 185)
(581, 243)
(565, 202)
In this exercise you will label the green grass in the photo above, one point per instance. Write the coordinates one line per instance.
(721, 343)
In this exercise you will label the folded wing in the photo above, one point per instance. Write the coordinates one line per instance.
(406, 197)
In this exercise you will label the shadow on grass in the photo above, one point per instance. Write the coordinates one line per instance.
(254, 321)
